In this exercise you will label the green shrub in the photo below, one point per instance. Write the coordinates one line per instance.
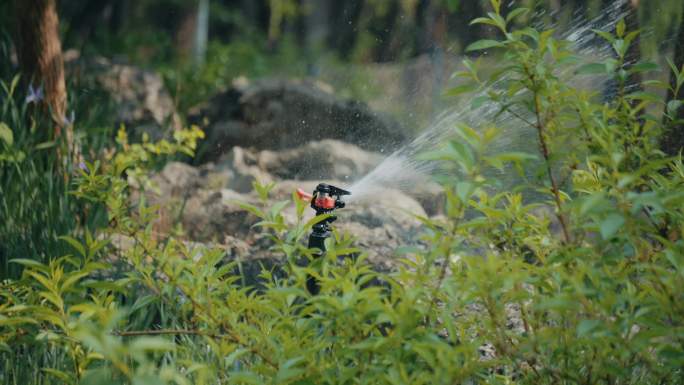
(581, 287)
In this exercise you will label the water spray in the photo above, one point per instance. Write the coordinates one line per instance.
(405, 169)
(325, 199)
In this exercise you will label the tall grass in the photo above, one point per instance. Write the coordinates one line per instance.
(35, 206)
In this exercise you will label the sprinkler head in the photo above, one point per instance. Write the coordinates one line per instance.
(325, 198)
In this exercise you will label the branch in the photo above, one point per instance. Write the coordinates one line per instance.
(545, 154)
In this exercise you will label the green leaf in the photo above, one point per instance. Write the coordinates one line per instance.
(263, 189)
(309, 224)
(6, 134)
(610, 226)
(251, 208)
(289, 371)
(515, 13)
(605, 35)
(484, 44)
(277, 208)
(646, 96)
(72, 279)
(463, 153)
(587, 326)
(461, 89)
(673, 107)
(463, 190)
(28, 263)
(13, 321)
(644, 67)
(75, 244)
(67, 378)
(592, 69)
(13, 85)
(516, 156)
(142, 302)
(483, 20)
(468, 133)
(498, 20)
(620, 28)
(594, 203)
(235, 355)
(45, 145)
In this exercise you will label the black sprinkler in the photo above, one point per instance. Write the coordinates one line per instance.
(324, 200)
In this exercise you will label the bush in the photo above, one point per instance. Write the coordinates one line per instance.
(583, 286)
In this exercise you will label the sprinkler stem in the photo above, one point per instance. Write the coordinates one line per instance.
(324, 200)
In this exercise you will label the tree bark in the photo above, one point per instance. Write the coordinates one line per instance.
(40, 54)
(382, 27)
(672, 141)
(344, 17)
(467, 34)
(201, 34)
(423, 42)
(186, 32)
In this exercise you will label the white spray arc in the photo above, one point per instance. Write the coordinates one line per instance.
(405, 170)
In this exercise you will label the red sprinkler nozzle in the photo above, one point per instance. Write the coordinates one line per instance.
(303, 195)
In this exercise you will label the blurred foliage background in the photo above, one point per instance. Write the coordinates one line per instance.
(201, 45)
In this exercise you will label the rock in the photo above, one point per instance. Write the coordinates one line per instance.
(140, 100)
(177, 179)
(211, 215)
(278, 114)
(242, 168)
(317, 160)
(431, 197)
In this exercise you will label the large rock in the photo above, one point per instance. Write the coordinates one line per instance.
(277, 114)
(211, 215)
(316, 160)
(177, 179)
(242, 168)
(140, 100)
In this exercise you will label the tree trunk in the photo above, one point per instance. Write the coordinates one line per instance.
(344, 18)
(383, 27)
(40, 54)
(672, 141)
(423, 42)
(460, 25)
(186, 33)
(201, 34)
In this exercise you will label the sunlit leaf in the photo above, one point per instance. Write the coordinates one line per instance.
(484, 44)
